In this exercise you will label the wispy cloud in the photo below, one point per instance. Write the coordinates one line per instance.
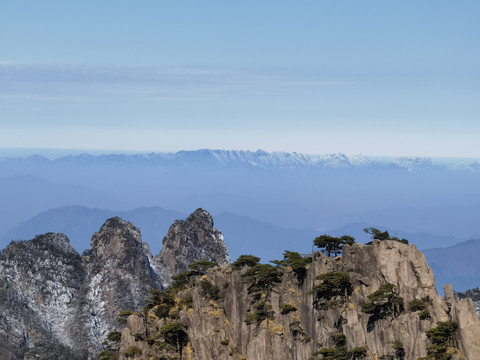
(63, 82)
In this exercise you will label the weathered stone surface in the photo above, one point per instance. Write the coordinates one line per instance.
(58, 304)
(191, 240)
(217, 328)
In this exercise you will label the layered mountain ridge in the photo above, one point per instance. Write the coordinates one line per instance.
(374, 302)
(58, 304)
(229, 158)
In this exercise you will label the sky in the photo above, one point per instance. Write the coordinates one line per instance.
(358, 77)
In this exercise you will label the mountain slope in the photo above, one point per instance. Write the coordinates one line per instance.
(458, 265)
(79, 223)
(54, 301)
(292, 317)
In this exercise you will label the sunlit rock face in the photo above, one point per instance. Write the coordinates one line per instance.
(217, 327)
(191, 240)
(56, 303)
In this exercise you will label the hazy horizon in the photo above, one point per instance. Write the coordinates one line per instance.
(376, 78)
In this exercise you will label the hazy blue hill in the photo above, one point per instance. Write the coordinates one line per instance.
(80, 223)
(244, 235)
(24, 196)
(458, 265)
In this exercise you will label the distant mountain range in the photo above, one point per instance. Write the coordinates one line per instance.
(259, 158)
(458, 264)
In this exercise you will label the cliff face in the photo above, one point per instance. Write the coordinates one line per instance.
(191, 240)
(39, 283)
(55, 303)
(288, 321)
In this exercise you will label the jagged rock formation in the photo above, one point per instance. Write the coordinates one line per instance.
(191, 240)
(55, 303)
(473, 294)
(39, 283)
(288, 321)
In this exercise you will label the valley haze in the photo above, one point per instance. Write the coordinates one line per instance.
(264, 202)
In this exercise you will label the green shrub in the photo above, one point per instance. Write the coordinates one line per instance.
(384, 302)
(114, 336)
(441, 337)
(332, 284)
(175, 335)
(164, 300)
(442, 334)
(245, 260)
(424, 315)
(126, 313)
(187, 302)
(139, 337)
(263, 277)
(397, 345)
(209, 289)
(297, 262)
(133, 351)
(182, 280)
(200, 267)
(340, 352)
(333, 245)
(262, 311)
(108, 354)
(417, 305)
(287, 308)
(225, 342)
(379, 235)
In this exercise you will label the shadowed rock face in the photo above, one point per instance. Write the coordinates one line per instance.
(39, 283)
(58, 304)
(217, 328)
(191, 240)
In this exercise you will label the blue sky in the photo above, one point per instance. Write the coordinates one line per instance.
(370, 77)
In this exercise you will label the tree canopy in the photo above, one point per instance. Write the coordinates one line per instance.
(379, 235)
(332, 245)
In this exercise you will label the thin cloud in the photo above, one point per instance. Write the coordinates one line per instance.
(65, 82)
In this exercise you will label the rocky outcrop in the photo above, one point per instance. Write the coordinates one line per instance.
(473, 294)
(191, 240)
(120, 276)
(55, 303)
(39, 283)
(217, 328)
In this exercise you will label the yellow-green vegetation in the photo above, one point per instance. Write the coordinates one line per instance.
(200, 267)
(417, 305)
(384, 302)
(379, 235)
(340, 351)
(262, 312)
(296, 262)
(441, 337)
(398, 348)
(122, 317)
(331, 244)
(263, 277)
(333, 284)
(422, 306)
(245, 260)
(175, 335)
(287, 308)
(114, 336)
(424, 315)
(133, 351)
(209, 289)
